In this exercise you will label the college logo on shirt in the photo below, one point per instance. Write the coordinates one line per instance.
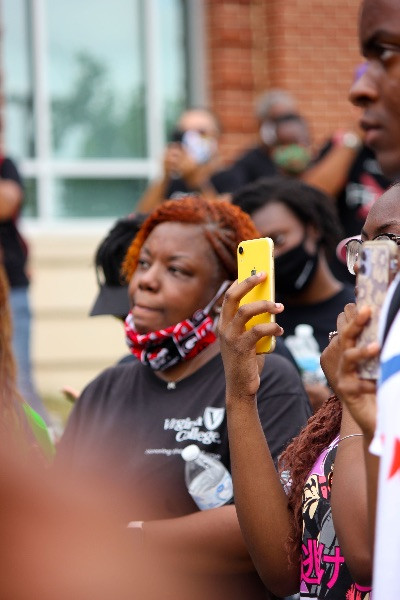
(202, 429)
(213, 417)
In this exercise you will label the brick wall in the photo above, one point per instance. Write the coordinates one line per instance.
(308, 47)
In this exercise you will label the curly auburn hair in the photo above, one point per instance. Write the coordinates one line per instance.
(299, 457)
(223, 225)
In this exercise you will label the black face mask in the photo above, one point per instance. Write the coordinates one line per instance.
(294, 270)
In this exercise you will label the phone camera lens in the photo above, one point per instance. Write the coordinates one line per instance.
(240, 250)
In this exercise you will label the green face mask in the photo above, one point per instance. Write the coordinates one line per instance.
(292, 159)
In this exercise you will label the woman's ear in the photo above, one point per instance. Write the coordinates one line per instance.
(313, 237)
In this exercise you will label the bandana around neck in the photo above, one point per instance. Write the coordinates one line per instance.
(166, 347)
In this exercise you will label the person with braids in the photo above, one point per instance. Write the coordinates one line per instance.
(300, 540)
(142, 414)
(305, 229)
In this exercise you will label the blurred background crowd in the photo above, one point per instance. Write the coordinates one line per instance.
(91, 98)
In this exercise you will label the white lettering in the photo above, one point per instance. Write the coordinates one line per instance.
(195, 435)
(182, 424)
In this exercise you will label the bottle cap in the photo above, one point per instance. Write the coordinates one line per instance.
(191, 452)
(304, 330)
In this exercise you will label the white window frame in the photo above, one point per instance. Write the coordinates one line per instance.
(44, 168)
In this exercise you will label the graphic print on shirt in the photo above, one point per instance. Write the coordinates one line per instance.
(201, 430)
(361, 196)
(324, 573)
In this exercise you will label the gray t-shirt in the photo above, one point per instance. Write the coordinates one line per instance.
(138, 427)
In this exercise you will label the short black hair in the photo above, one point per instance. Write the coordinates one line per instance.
(310, 205)
(112, 297)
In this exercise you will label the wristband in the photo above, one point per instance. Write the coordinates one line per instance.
(347, 139)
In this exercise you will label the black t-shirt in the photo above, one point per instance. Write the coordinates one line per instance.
(321, 316)
(252, 165)
(249, 167)
(129, 414)
(178, 186)
(365, 183)
(13, 246)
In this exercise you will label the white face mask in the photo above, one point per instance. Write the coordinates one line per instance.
(268, 133)
(200, 147)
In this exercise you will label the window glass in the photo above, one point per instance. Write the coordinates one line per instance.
(17, 78)
(30, 205)
(89, 60)
(95, 78)
(172, 47)
(96, 198)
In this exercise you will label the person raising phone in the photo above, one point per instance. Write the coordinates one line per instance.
(339, 490)
(288, 521)
(305, 229)
(190, 158)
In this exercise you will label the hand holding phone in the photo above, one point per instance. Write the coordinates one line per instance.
(377, 266)
(255, 256)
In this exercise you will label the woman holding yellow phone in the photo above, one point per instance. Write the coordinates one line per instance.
(304, 227)
(286, 518)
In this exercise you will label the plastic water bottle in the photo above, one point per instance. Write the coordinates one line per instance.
(207, 480)
(305, 350)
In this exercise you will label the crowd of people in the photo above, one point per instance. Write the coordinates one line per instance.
(315, 465)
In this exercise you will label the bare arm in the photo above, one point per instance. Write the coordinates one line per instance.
(10, 198)
(349, 500)
(153, 196)
(177, 161)
(208, 542)
(354, 479)
(359, 396)
(330, 173)
(260, 499)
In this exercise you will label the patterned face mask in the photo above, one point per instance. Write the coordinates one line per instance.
(166, 347)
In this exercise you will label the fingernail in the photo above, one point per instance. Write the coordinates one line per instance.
(278, 305)
(260, 274)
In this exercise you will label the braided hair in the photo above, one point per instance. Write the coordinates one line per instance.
(310, 205)
(223, 225)
(299, 457)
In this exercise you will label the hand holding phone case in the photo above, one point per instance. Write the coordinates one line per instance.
(376, 268)
(253, 257)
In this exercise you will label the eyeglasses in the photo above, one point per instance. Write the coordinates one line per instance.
(353, 248)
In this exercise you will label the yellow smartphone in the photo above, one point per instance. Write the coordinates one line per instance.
(254, 256)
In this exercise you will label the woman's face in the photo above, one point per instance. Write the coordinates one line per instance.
(278, 222)
(177, 274)
(384, 216)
